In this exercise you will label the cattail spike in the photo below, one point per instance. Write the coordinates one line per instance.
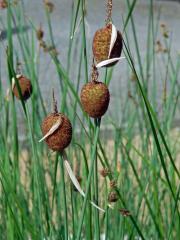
(107, 45)
(57, 131)
(95, 98)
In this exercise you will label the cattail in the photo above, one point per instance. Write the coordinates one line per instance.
(95, 96)
(107, 42)
(95, 99)
(25, 87)
(57, 131)
(107, 46)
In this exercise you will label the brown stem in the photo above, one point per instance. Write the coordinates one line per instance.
(109, 12)
(54, 103)
(95, 74)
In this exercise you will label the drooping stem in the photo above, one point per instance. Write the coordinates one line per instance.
(95, 74)
(109, 12)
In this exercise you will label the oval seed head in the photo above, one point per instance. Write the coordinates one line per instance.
(61, 137)
(39, 34)
(113, 197)
(95, 99)
(107, 46)
(25, 87)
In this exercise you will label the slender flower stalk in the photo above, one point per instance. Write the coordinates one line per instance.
(109, 12)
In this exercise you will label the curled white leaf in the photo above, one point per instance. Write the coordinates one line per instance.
(73, 178)
(76, 183)
(113, 39)
(52, 129)
(108, 61)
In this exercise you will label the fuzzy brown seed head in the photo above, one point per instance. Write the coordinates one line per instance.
(113, 197)
(25, 87)
(61, 138)
(95, 99)
(101, 45)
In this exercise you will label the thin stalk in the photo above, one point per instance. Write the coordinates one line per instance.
(93, 159)
(36, 182)
(64, 199)
(84, 39)
(97, 225)
(151, 116)
(107, 224)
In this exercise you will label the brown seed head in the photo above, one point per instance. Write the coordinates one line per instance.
(125, 212)
(101, 45)
(49, 5)
(39, 34)
(95, 99)
(25, 87)
(61, 138)
(104, 172)
(3, 4)
(113, 197)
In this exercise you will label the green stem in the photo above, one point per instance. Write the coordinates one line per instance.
(93, 159)
(64, 199)
(96, 123)
(84, 41)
